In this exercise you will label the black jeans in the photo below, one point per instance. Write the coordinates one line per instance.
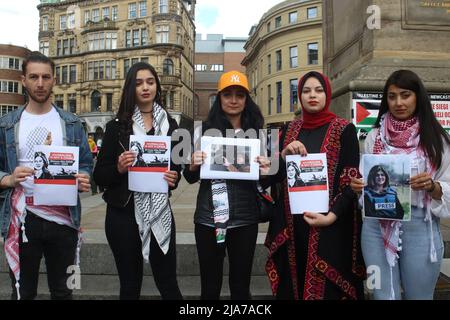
(240, 244)
(58, 244)
(123, 237)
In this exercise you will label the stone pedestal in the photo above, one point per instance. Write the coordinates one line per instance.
(413, 35)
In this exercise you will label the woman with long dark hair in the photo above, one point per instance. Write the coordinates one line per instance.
(379, 191)
(226, 217)
(139, 226)
(41, 166)
(406, 124)
(316, 255)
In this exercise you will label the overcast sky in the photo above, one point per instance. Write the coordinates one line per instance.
(19, 19)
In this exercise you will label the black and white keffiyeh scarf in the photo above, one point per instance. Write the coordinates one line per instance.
(152, 210)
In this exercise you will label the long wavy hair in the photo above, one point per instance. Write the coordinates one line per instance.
(251, 116)
(430, 131)
(128, 100)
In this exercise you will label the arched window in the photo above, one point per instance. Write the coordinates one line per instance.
(168, 67)
(96, 101)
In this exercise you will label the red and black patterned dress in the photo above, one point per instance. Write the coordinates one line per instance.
(319, 263)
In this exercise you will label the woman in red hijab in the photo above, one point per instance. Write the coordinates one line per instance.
(317, 255)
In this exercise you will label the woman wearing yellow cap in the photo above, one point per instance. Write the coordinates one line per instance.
(234, 228)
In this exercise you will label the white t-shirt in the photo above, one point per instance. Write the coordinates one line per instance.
(35, 130)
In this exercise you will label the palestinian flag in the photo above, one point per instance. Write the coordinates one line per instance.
(365, 113)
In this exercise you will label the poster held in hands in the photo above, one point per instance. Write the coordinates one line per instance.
(55, 168)
(230, 158)
(307, 179)
(146, 174)
(387, 192)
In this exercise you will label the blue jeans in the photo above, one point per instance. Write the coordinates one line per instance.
(414, 272)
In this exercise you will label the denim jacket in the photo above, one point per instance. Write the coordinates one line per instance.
(73, 135)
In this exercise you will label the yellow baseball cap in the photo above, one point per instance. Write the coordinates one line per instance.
(233, 78)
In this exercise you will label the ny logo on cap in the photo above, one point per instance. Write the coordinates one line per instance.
(235, 78)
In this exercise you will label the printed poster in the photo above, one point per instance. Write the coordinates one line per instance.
(307, 179)
(387, 193)
(230, 158)
(55, 168)
(146, 174)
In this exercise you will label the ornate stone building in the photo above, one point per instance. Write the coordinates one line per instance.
(286, 44)
(95, 42)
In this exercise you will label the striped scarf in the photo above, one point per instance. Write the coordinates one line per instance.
(221, 208)
(50, 213)
(152, 210)
(401, 137)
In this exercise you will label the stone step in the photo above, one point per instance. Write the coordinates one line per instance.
(106, 287)
(97, 259)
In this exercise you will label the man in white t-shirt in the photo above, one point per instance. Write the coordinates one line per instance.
(32, 231)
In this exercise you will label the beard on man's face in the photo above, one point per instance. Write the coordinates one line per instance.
(39, 98)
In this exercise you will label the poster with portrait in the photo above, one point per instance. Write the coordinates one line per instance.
(230, 158)
(152, 160)
(55, 168)
(307, 179)
(387, 193)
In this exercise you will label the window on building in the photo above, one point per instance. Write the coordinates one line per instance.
(10, 86)
(59, 48)
(201, 67)
(278, 58)
(58, 75)
(128, 39)
(73, 74)
(126, 66)
(216, 68)
(168, 67)
(72, 99)
(96, 15)
(87, 17)
(132, 11)
(163, 6)
(162, 34)
(106, 13)
(144, 59)
(9, 63)
(312, 13)
(142, 9)
(293, 17)
(109, 97)
(64, 74)
(114, 13)
(268, 27)
(102, 41)
(44, 48)
(102, 70)
(313, 53)
(269, 64)
(179, 36)
(294, 94)
(279, 96)
(135, 38)
(71, 20)
(144, 37)
(293, 57)
(66, 50)
(72, 44)
(4, 109)
(45, 23)
(63, 22)
(134, 61)
(59, 100)
(269, 99)
(278, 22)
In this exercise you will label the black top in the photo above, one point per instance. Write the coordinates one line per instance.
(105, 171)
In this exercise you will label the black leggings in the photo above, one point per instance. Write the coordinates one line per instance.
(240, 244)
(123, 238)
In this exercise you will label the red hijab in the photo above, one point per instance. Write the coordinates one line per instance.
(318, 119)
